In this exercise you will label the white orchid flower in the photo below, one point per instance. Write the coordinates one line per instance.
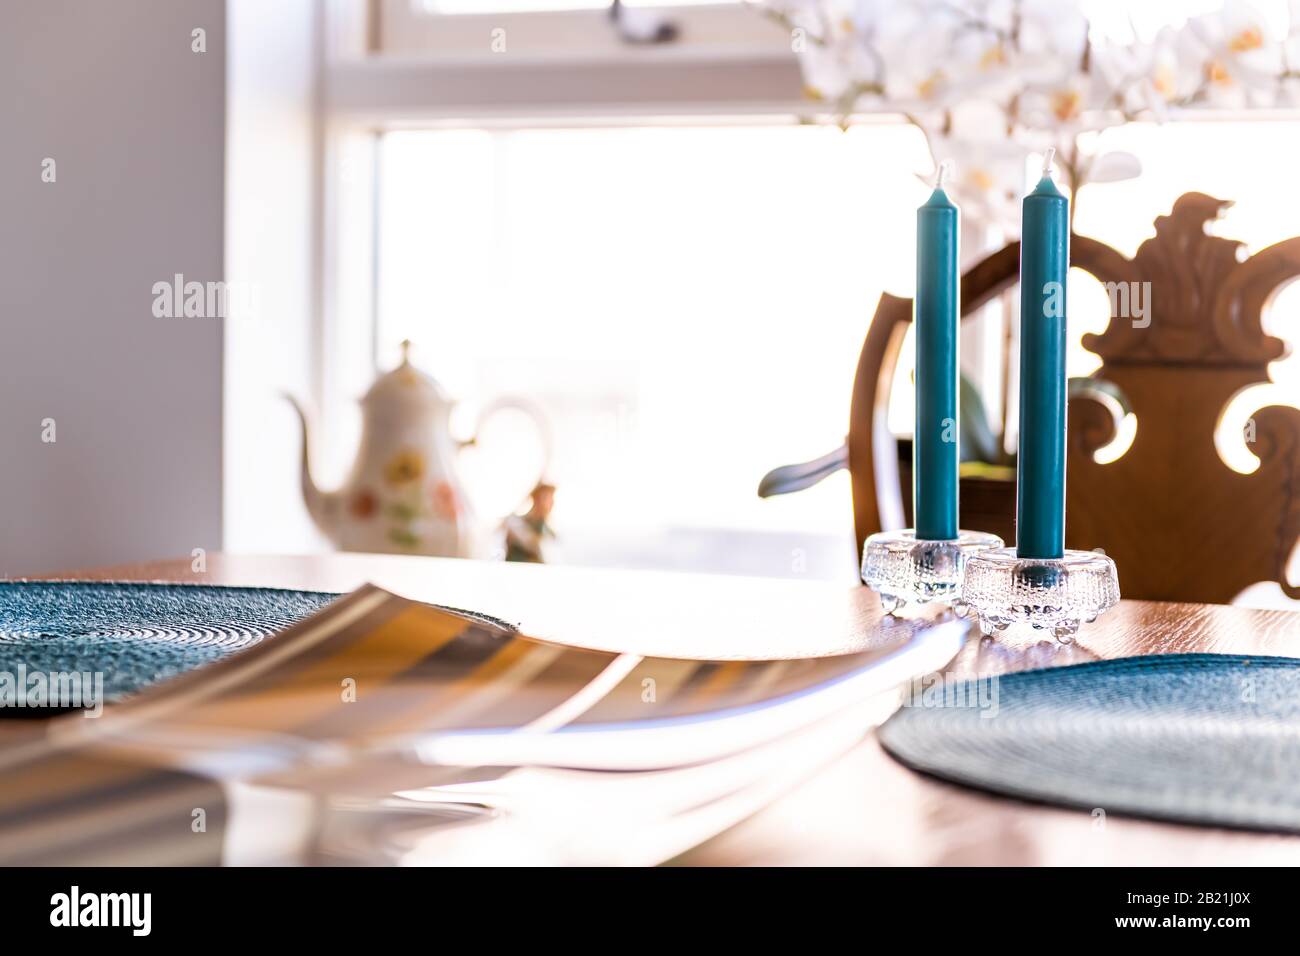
(987, 170)
(1056, 114)
(1237, 57)
(1152, 77)
(991, 80)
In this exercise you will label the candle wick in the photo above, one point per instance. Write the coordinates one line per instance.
(942, 174)
(1047, 160)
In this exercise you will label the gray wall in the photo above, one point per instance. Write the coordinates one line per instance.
(135, 122)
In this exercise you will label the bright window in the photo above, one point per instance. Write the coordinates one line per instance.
(687, 303)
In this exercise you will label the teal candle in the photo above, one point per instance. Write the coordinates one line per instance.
(934, 445)
(1044, 263)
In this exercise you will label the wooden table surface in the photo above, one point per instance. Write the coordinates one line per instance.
(864, 808)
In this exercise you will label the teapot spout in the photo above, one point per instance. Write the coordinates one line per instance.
(323, 506)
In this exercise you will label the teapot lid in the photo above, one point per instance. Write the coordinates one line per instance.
(406, 385)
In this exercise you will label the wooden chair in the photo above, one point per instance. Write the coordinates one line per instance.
(1179, 523)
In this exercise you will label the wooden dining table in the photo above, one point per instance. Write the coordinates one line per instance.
(863, 807)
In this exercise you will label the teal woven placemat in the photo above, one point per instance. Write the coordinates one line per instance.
(1197, 738)
(136, 634)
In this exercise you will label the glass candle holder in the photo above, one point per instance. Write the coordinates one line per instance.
(903, 568)
(1054, 595)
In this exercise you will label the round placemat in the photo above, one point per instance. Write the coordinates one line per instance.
(1196, 738)
(136, 634)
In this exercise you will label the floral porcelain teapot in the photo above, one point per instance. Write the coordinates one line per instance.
(403, 494)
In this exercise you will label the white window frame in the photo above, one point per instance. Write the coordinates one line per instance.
(729, 59)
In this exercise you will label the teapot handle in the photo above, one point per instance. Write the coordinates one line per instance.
(529, 408)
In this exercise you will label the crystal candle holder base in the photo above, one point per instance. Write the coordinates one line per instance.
(1057, 596)
(903, 568)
